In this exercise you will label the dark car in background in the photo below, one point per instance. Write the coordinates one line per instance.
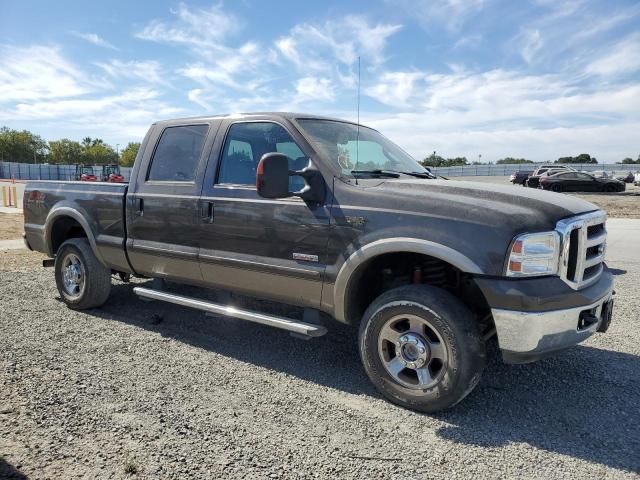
(580, 182)
(534, 180)
(520, 177)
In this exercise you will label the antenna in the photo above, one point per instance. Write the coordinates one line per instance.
(358, 121)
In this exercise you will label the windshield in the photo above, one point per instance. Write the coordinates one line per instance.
(352, 151)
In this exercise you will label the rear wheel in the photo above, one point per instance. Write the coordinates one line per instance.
(610, 188)
(421, 347)
(556, 187)
(83, 282)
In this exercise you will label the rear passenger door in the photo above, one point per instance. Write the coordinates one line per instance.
(269, 248)
(162, 211)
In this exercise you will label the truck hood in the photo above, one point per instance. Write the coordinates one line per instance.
(524, 209)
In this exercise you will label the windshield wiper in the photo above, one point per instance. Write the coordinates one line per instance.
(380, 173)
(420, 174)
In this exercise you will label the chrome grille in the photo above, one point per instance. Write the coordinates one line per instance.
(582, 248)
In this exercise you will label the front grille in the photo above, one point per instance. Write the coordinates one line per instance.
(583, 242)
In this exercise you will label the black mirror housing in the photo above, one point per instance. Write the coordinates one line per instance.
(272, 176)
(272, 179)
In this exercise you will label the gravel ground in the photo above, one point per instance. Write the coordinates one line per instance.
(137, 390)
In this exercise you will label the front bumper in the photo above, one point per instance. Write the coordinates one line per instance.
(528, 333)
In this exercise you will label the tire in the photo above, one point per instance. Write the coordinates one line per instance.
(455, 352)
(82, 281)
(556, 187)
(609, 188)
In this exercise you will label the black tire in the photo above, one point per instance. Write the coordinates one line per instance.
(556, 187)
(610, 188)
(93, 278)
(458, 330)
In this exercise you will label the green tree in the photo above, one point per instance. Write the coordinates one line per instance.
(65, 151)
(512, 161)
(582, 158)
(435, 160)
(128, 155)
(98, 153)
(630, 160)
(22, 146)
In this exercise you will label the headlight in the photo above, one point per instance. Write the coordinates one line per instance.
(534, 254)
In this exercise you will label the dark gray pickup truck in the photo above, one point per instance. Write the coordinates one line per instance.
(333, 217)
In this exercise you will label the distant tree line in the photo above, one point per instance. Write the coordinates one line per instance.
(26, 147)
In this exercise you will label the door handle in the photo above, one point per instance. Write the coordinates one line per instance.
(140, 210)
(207, 212)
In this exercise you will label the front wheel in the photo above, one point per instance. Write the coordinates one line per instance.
(556, 187)
(421, 347)
(83, 282)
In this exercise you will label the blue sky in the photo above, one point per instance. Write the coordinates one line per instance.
(533, 78)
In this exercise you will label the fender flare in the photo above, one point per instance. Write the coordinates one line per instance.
(76, 215)
(393, 245)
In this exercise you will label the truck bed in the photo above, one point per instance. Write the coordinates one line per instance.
(96, 206)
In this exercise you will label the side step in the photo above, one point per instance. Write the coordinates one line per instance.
(300, 328)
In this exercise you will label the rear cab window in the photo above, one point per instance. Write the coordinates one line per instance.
(177, 154)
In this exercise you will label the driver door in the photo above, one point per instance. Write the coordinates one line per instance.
(269, 248)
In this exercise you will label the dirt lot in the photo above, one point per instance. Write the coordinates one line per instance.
(618, 205)
(11, 226)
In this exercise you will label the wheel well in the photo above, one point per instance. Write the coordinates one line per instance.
(63, 229)
(391, 270)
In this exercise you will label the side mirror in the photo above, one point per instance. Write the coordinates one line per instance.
(272, 176)
(272, 179)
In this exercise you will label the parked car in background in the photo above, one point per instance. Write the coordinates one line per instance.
(580, 182)
(520, 177)
(599, 174)
(85, 173)
(636, 179)
(534, 180)
(628, 178)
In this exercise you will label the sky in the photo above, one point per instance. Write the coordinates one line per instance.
(485, 79)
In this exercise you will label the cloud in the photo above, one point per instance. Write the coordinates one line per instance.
(192, 26)
(532, 43)
(148, 71)
(31, 73)
(452, 14)
(624, 58)
(497, 111)
(312, 88)
(319, 47)
(395, 88)
(95, 39)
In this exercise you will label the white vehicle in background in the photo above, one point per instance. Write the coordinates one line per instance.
(636, 179)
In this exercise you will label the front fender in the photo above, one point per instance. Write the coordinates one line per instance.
(393, 245)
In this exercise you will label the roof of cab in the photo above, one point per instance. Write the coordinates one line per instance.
(281, 115)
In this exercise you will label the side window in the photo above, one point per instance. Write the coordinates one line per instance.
(177, 154)
(247, 142)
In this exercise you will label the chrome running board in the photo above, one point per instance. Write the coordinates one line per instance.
(300, 328)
